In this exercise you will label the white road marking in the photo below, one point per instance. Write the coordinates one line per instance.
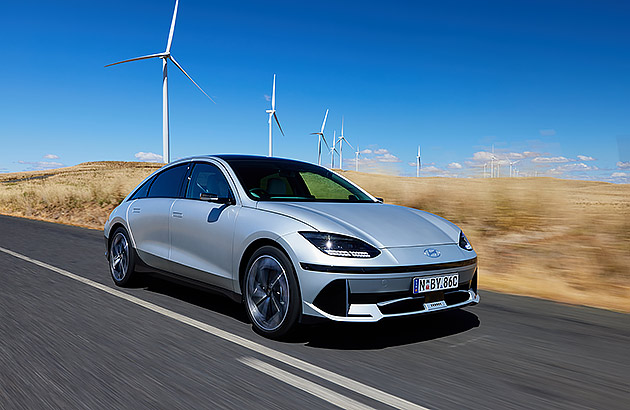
(335, 378)
(315, 389)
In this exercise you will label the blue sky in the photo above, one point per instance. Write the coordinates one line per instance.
(546, 82)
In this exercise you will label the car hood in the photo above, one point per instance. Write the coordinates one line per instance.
(382, 225)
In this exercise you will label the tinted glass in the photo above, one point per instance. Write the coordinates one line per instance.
(142, 191)
(283, 180)
(168, 183)
(207, 179)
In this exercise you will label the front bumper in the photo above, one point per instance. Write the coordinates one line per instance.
(369, 295)
(373, 312)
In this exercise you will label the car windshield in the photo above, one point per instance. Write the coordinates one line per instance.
(285, 180)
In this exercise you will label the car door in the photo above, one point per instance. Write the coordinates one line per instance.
(202, 230)
(149, 216)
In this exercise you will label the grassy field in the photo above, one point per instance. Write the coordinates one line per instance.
(558, 239)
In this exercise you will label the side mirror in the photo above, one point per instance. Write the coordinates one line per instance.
(379, 199)
(218, 200)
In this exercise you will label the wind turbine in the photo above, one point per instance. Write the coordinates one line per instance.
(356, 159)
(319, 141)
(342, 139)
(418, 163)
(166, 56)
(493, 158)
(333, 149)
(512, 163)
(272, 115)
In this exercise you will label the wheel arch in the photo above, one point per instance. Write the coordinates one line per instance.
(249, 251)
(113, 229)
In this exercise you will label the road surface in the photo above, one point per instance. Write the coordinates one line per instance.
(70, 339)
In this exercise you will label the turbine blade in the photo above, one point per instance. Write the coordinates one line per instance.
(138, 58)
(273, 95)
(348, 143)
(324, 139)
(189, 77)
(278, 122)
(170, 33)
(324, 123)
(342, 126)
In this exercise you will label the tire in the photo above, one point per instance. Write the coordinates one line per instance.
(271, 293)
(122, 259)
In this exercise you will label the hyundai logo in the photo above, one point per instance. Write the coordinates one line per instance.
(432, 253)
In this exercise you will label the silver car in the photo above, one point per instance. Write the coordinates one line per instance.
(291, 240)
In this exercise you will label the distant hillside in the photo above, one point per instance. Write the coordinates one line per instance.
(559, 239)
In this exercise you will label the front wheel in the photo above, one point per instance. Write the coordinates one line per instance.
(122, 259)
(271, 294)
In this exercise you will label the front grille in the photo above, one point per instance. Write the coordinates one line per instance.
(453, 298)
(336, 298)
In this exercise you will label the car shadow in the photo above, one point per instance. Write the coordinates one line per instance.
(329, 335)
(201, 297)
(387, 332)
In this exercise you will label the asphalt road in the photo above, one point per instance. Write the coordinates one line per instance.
(68, 342)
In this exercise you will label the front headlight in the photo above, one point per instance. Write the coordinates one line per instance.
(463, 242)
(340, 245)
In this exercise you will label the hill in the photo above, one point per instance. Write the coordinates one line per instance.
(565, 240)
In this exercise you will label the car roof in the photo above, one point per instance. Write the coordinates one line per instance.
(241, 157)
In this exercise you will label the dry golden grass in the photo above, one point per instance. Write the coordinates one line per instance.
(557, 239)
(82, 195)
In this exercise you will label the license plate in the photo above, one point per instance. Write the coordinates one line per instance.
(433, 283)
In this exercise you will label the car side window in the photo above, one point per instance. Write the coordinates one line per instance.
(142, 191)
(168, 183)
(207, 179)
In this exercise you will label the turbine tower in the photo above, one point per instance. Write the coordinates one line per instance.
(356, 159)
(319, 140)
(493, 158)
(418, 163)
(166, 56)
(342, 139)
(272, 115)
(333, 149)
(511, 164)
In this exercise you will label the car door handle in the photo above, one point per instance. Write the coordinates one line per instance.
(135, 211)
(177, 214)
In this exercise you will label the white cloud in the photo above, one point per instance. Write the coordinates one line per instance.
(530, 154)
(585, 158)
(431, 168)
(41, 165)
(455, 165)
(387, 157)
(51, 156)
(580, 166)
(148, 157)
(619, 174)
(623, 164)
(366, 151)
(549, 160)
(482, 156)
(548, 132)
(267, 97)
(381, 151)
